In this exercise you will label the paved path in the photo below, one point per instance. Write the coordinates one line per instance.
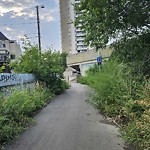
(69, 123)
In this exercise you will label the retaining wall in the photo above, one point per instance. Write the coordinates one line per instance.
(9, 81)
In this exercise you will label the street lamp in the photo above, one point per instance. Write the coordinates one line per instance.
(38, 25)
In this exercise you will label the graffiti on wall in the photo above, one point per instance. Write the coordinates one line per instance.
(8, 79)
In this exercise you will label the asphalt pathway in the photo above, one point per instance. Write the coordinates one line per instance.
(69, 123)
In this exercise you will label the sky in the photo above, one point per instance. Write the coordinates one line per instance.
(18, 20)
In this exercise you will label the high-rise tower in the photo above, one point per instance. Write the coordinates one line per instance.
(72, 37)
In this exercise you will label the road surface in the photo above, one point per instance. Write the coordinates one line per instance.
(69, 123)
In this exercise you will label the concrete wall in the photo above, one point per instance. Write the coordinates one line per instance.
(65, 25)
(8, 79)
(12, 47)
(87, 56)
(85, 67)
(85, 60)
(15, 49)
(9, 82)
(72, 27)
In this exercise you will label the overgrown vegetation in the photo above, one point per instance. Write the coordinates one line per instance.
(122, 86)
(103, 20)
(2, 68)
(16, 110)
(48, 67)
(126, 23)
(123, 97)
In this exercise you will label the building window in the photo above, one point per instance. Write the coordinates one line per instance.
(2, 45)
(12, 56)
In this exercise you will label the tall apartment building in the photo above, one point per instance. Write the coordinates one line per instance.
(72, 37)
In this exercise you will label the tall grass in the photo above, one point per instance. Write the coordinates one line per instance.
(16, 110)
(112, 86)
(125, 97)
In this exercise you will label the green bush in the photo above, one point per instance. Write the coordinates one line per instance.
(123, 96)
(111, 86)
(47, 66)
(59, 86)
(16, 110)
(137, 130)
(81, 80)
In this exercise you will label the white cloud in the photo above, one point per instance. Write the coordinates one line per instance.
(7, 29)
(14, 33)
(15, 6)
(24, 8)
(47, 17)
(46, 14)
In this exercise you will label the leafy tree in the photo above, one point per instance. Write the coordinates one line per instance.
(106, 19)
(136, 53)
(126, 22)
(48, 66)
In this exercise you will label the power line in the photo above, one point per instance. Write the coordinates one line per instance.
(29, 37)
(29, 18)
(13, 24)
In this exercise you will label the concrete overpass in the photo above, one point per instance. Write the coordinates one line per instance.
(81, 62)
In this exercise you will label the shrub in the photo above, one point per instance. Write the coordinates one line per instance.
(123, 96)
(48, 66)
(137, 130)
(16, 110)
(111, 86)
(81, 80)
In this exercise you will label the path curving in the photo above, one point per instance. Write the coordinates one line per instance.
(69, 123)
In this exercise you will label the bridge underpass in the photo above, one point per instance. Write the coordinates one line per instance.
(80, 62)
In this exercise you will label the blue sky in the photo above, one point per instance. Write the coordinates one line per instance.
(18, 18)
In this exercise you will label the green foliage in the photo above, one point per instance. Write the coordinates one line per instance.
(103, 20)
(16, 110)
(120, 85)
(81, 80)
(111, 86)
(139, 113)
(136, 53)
(137, 132)
(123, 97)
(2, 68)
(48, 66)
(124, 22)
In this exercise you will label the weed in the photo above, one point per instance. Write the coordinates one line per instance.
(123, 96)
(16, 110)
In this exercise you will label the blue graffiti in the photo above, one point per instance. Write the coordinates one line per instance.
(8, 77)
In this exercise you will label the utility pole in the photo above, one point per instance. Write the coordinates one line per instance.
(38, 26)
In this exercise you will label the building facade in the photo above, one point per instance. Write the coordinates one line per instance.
(72, 37)
(8, 49)
(80, 56)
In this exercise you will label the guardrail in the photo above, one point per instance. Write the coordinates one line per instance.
(9, 79)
